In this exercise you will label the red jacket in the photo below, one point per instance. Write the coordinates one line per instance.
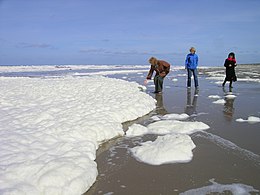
(162, 68)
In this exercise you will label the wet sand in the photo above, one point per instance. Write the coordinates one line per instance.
(229, 151)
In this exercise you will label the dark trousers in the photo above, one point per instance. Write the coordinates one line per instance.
(158, 82)
(230, 84)
(195, 75)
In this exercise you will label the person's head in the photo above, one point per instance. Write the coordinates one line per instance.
(153, 61)
(231, 55)
(192, 50)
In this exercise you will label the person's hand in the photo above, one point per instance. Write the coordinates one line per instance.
(145, 82)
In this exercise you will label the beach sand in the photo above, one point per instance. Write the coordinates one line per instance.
(228, 152)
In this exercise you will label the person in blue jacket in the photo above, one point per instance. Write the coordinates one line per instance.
(191, 64)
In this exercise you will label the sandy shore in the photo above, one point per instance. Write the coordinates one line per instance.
(228, 153)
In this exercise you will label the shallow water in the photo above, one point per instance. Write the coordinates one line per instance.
(229, 151)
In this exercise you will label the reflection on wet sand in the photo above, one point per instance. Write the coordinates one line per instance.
(191, 106)
(228, 106)
(160, 110)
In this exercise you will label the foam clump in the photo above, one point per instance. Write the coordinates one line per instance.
(214, 96)
(174, 116)
(221, 101)
(174, 126)
(136, 130)
(174, 146)
(51, 128)
(230, 96)
(250, 119)
(165, 149)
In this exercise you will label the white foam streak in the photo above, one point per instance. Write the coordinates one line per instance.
(38, 68)
(230, 146)
(235, 188)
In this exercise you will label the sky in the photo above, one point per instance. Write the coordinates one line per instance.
(51, 32)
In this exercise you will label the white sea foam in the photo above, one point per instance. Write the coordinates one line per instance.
(156, 118)
(165, 149)
(136, 130)
(221, 101)
(109, 72)
(37, 68)
(230, 96)
(214, 96)
(235, 188)
(50, 130)
(249, 80)
(167, 127)
(174, 126)
(218, 78)
(174, 116)
(250, 119)
(175, 146)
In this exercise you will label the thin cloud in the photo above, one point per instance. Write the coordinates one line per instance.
(123, 52)
(34, 45)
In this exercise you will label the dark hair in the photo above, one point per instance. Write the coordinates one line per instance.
(232, 54)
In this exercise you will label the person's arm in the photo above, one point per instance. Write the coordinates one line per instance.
(226, 64)
(197, 60)
(167, 70)
(150, 73)
(235, 63)
(186, 62)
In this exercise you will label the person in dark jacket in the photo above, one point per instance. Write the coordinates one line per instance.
(161, 68)
(191, 64)
(230, 64)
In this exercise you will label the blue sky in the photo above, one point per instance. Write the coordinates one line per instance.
(127, 32)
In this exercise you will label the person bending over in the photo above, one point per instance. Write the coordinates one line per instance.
(161, 68)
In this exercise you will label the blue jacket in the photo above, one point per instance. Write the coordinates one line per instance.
(191, 61)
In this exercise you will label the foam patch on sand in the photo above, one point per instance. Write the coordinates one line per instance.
(166, 127)
(174, 126)
(174, 116)
(165, 149)
(235, 188)
(214, 96)
(51, 128)
(250, 119)
(136, 130)
(230, 96)
(174, 147)
(221, 101)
